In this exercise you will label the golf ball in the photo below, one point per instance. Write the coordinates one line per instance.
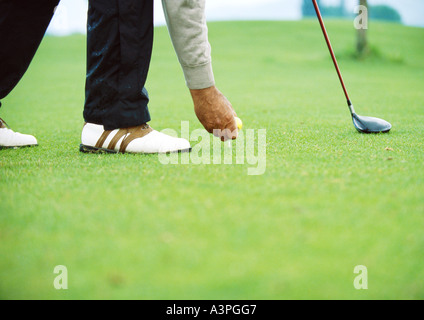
(239, 123)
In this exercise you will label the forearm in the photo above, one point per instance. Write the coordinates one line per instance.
(187, 27)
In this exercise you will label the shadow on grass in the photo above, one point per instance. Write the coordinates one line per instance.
(371, 54)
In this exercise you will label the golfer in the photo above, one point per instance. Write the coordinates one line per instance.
(119, 45)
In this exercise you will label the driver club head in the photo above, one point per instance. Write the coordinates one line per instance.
(370, 125)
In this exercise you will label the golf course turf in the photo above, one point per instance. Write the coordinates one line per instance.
(127, 226)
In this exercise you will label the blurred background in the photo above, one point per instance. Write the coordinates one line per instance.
(71, 15)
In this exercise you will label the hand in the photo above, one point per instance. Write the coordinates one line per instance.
(215, 112)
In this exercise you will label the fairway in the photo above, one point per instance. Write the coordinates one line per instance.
(129, 227)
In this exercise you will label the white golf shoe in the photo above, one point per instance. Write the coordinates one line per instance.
(12, 139)
(140, 139)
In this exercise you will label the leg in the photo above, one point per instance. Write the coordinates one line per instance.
(120, 40)
(22, 27)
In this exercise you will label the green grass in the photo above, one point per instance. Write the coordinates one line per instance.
(129, 227)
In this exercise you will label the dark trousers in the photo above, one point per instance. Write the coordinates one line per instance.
(119, 45)
(22, 27)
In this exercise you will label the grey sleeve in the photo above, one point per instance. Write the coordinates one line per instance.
(187, 27)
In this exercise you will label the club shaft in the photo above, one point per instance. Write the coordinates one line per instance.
(333, 56)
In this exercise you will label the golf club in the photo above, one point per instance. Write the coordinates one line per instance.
(362, 124)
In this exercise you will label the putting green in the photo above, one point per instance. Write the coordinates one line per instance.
(128, 226)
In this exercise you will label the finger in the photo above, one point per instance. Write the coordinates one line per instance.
(229, 134)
